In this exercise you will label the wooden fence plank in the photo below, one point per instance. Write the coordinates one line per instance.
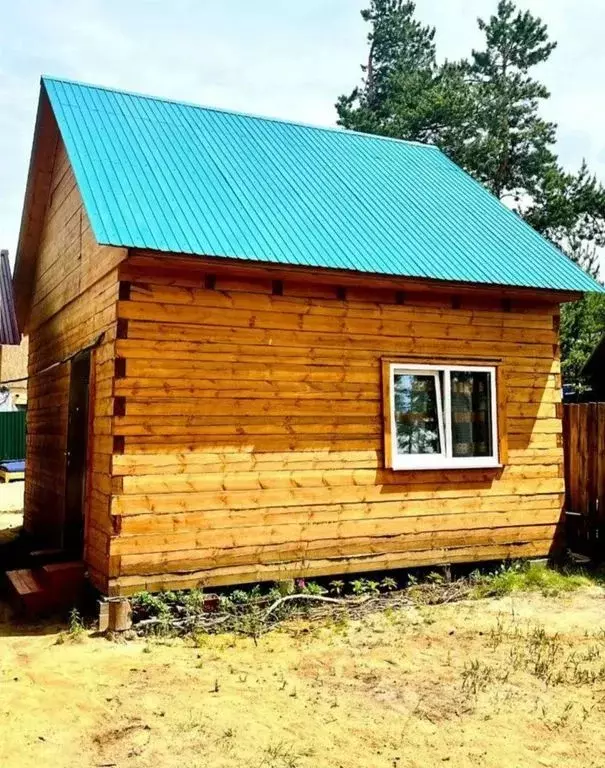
(600, 485)
(584, 451)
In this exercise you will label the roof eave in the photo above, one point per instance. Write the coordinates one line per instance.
(46, 134)
(331, 275)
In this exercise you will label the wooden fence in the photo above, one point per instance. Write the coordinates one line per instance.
(584, 444)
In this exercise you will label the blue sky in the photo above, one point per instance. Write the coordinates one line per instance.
(276, 57)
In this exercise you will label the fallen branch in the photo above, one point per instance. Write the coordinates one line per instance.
(192, 621)
(319, 598)
(185, 624)
(256, 617)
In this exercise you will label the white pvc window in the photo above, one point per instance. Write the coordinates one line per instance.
(443, 416)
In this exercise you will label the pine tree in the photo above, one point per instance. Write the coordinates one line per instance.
(403, 92)
(485, 114)
(569, 209)
(511, 150)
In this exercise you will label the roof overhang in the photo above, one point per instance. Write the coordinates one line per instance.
(46, 137)
(45, 141)
(325, 275)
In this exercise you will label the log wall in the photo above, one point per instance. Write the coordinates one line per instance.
(248, 438)
(75, 290)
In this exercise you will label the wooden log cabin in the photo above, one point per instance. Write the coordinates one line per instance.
(262, 350)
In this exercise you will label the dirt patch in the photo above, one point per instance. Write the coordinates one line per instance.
(509, 682)
(10, 526)
(11, 545)
(11, 502)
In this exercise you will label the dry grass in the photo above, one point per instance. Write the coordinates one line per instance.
(511, 681)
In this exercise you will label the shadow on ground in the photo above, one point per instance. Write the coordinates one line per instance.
(14, 552)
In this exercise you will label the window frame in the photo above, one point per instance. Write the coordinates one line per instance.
(445, 459)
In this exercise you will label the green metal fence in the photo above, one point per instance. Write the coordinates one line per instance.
(12, 435)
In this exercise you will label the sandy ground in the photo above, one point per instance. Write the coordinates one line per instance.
(11, 498)
(510, 682)
(10, 525)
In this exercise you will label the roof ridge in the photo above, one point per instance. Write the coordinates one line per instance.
(237, 112)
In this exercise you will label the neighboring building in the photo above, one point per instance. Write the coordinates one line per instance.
(9, 328)
(13, 349)
(261, 350)
(13, 368)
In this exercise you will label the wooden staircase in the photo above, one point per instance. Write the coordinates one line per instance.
(47, 589)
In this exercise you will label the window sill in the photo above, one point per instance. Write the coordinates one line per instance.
(464, 464)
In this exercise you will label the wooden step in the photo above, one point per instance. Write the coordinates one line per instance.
(65, 581)
(55, 587)
(26, 592)
(63, 574)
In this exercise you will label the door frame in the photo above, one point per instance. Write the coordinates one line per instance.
(87, 490)
(78, 549)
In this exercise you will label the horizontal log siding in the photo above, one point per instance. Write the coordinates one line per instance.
(74, 300)
(249, 420)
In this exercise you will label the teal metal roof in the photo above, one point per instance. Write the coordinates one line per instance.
(169, 176)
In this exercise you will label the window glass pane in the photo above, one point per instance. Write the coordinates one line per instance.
(471, 414)
(416, 414)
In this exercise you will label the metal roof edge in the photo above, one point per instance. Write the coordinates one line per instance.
(558, 252)
(9, 328)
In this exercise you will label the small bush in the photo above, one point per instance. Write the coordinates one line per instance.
(364, 587)
(388, 584)
(75, 629)
(76, 625)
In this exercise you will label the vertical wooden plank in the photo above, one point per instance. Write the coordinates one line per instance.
(572, 449)
(566, 457)
(583, 459)
(584, 443)
(600, 483)
(502, 399)
(592, 447)
(386, 413)
(88, 479)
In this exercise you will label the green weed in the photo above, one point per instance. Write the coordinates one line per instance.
(365, 587)
(527, 577)
(476, 677)
(280, 755)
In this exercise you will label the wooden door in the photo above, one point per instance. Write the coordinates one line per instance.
(76, 454)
